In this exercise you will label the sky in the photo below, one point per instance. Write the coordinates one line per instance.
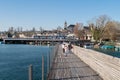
(49, 14)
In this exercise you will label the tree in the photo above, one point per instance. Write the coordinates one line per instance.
(16, 35)
(21, 29)
(41, 29)
(95, 32)
(101, 24)
(9, 35)
(18, 29)
(98, 27)
(117, 29)
(78, 30)
(11, 29)
(33, 29)
(110, 28)
(59, 28)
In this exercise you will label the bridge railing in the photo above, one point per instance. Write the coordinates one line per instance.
(45, 62)
(108, 67)
(52, 58)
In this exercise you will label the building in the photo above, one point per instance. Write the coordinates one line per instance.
(70, 28)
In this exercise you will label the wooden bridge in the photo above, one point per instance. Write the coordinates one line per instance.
(71, 67)
(82, 64)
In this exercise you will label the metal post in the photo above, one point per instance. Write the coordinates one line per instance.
(42, 68)
(30, 72)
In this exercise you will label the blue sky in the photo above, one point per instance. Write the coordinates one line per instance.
(50, 14)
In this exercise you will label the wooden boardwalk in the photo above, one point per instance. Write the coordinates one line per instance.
(71, 68)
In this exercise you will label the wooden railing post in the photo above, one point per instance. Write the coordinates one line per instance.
(30, 72)
(48, 61)
(42, 68)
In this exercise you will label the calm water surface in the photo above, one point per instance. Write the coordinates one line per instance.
(109, 52)
(15, 59)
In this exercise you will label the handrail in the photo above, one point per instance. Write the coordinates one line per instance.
(51, 56)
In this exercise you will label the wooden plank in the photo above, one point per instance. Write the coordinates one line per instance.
(71, 68)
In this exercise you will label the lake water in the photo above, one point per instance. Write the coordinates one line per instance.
(15, 59)
(109, 52)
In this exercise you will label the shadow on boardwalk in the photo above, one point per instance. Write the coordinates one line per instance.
(71, 68)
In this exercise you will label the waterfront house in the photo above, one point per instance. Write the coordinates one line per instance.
(22, 36)
(70, 28)
(87, 33)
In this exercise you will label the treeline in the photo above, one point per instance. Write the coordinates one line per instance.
(101, 28)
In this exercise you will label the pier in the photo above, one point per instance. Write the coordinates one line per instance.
(84, 64)
(39, 41)
(71, 68)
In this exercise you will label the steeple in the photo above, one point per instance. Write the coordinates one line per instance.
(65, 25)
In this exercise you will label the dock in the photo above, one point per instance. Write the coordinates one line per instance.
(71, 67)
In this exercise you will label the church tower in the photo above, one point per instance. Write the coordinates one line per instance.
(65, 25)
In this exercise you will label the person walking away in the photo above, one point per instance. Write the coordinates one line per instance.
(63, 48)
(70, 47)
(66, 50)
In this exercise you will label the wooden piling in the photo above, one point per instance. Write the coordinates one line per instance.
(48, 63)
(30, 72)
(42, 68)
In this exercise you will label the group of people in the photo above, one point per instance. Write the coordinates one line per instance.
(66, 48)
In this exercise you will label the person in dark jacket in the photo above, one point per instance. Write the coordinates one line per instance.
(69, 47)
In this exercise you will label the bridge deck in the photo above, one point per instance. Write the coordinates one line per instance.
(71, 68)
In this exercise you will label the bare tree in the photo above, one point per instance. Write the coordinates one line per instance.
(21, 29)
(110, 29)
(117, 24)
(98, 27)
(16, 35)
(41, 29)
(95, 32)
(59, 28)
(18, 29)
(78, 30)
(101, 24)
(11, 29)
